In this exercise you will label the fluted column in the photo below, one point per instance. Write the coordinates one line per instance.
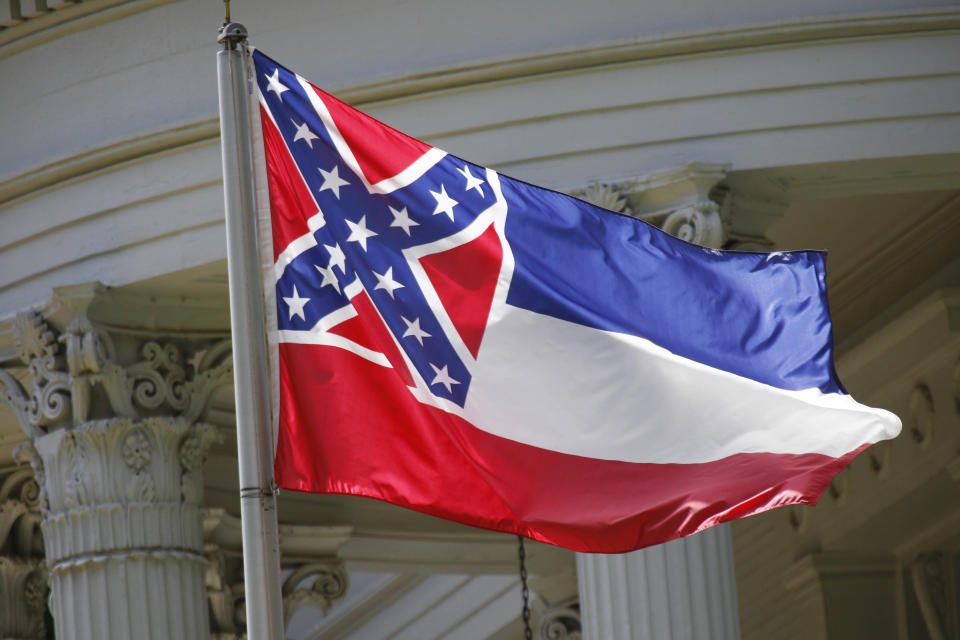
(682, 590)
(122, 528)
(117, 447)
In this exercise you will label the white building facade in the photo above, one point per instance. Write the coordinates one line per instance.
(741, 124)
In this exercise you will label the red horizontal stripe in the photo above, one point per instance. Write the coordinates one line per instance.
(350, 427)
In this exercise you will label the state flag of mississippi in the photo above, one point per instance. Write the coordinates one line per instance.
(467, 345)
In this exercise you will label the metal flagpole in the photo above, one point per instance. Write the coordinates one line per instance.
(258, 510)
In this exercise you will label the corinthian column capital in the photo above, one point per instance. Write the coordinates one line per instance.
(85, 370)
(694, 202)
(680, 201)
(113, 415)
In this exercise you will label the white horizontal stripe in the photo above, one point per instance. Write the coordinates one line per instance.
(332, 340)
(565, 387)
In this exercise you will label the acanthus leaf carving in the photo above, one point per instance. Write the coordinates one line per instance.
(212, 370)
(193, 453)
(604, 195)
(14, 396)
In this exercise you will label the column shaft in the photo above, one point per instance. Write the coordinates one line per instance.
(122, 528)
(681, 590)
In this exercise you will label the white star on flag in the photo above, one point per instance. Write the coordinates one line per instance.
(443, 377)
(402, 219)
(304, 133)
(296, 304)
(332, 181)
(445, 203)
(386, 281)
(337, 259)
(473, 182)
(275, 85)
(414, 330)
(329, 277)
(359, 232)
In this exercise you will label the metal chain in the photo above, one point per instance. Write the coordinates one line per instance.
(527, 632)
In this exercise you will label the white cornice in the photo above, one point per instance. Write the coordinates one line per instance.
(662, 45)
(67, 19)
(499, 70)
(126, 150)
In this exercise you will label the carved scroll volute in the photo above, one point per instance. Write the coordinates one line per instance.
(77, 377)
(680, 201)
(20, 514)
(23, 577)
(225, 597)
(317, 584)
(36, 344)
(699, 224)
(558, 621)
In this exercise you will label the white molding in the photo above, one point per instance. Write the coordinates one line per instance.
(298, 543)
(498, 70)
(42, 28)
(473, 552)
(115, 154)
(664, 45)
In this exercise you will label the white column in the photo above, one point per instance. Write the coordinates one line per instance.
(682, 590)
(117, 447)
(121, 530)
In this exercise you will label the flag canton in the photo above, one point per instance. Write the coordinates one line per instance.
(368, 242)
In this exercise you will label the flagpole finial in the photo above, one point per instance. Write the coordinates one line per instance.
(231, 34)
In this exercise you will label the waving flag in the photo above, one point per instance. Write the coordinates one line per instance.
(467, 345)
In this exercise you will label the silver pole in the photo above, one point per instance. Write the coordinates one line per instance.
(258, 509)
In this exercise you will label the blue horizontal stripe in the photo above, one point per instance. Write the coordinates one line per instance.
(757, 315)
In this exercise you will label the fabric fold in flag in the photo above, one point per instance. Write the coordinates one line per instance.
(464, 344)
